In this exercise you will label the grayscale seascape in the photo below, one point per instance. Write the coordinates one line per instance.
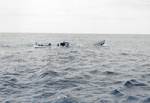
(118, 72)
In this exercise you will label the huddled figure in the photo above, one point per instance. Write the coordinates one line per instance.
(49, 44)
(63, 44)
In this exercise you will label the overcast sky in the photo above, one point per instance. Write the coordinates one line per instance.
(75, 16)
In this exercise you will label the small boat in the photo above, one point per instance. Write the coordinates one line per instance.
(38, 45)
(63, 44)
(101, 43)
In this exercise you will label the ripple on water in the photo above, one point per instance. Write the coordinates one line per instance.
(44, 95)
(131, 99)
(110, 73)
(50, 73)
(105, 101)
(124, 54)
(147, 100)
(116, 93)
(66, 99)
(70, 69)
(146, 65)
(62, 84)
(7, 57)
(94, 71)
(133, 82)
(13, 74)
(9, 91)
(10, 101)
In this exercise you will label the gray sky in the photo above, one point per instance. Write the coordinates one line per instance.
(75, 16)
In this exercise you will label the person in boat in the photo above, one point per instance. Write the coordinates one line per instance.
(101, 43)
(63, 44)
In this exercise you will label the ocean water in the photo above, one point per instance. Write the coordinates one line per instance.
(118, 72)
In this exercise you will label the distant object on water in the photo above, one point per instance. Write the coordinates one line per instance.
(101, 43)
(63, 44)
(39, 45)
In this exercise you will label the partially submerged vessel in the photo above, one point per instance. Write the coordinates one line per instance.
(101, 43)
(39, 45)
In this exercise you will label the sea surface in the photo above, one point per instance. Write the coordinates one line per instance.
(118, 72)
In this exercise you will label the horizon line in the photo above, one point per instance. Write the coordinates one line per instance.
(74, 33)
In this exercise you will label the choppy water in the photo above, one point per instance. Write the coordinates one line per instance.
(119, 72)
